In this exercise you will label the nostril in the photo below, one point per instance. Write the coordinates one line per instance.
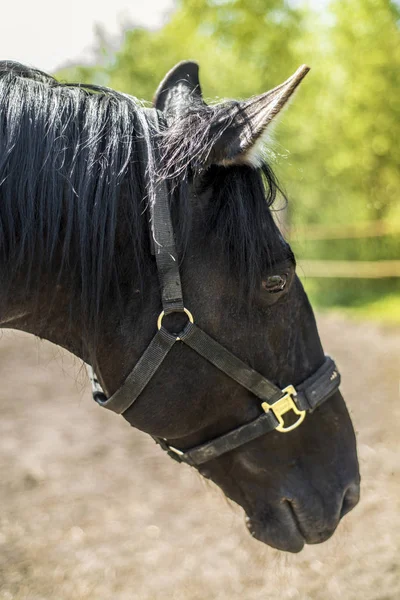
(350, 499)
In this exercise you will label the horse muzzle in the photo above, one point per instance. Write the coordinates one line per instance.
(289, 524)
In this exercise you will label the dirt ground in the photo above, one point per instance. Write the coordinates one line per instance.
(91, 509)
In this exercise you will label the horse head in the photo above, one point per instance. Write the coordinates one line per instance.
(80, 201)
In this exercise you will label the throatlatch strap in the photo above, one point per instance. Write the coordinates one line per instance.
(141, 374)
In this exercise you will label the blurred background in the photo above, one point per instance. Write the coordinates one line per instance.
(337, 147)
(89, 508)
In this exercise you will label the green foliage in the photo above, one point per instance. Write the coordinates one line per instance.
(337, 147)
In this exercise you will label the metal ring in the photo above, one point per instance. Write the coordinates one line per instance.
(162, 314)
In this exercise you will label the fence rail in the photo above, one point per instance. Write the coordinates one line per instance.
(349, 269)
(368, 229)
(353, 269)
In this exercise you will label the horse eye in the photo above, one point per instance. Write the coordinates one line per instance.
(274, 283)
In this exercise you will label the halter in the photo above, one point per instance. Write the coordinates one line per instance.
(275, 402)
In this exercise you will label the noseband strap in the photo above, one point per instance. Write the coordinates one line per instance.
(275, 402)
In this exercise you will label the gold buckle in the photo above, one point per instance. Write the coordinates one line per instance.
(284, 405)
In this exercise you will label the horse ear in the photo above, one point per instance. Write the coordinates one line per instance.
(244, 125)
(179, 90)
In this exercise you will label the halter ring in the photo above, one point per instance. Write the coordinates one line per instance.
(162, 315)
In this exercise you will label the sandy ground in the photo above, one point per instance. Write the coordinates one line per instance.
(91, 509)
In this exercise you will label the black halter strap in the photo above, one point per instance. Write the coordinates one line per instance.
(275, 402)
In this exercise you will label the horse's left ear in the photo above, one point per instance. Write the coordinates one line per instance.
(179, 90)
(244, 125)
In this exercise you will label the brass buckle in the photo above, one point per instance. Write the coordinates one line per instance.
(284, 405)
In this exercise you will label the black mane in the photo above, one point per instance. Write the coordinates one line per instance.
(65, 151)
(68, 153)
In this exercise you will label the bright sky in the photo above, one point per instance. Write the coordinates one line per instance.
(49, 33)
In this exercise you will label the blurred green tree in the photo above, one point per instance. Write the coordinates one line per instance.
(366, 49)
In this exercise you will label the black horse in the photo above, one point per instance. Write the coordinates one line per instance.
(78, 170)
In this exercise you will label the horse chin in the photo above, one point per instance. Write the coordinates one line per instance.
(284, 536)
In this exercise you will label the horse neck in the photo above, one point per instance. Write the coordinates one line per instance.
(44, 297)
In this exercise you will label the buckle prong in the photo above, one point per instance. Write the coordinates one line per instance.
(284, 405)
